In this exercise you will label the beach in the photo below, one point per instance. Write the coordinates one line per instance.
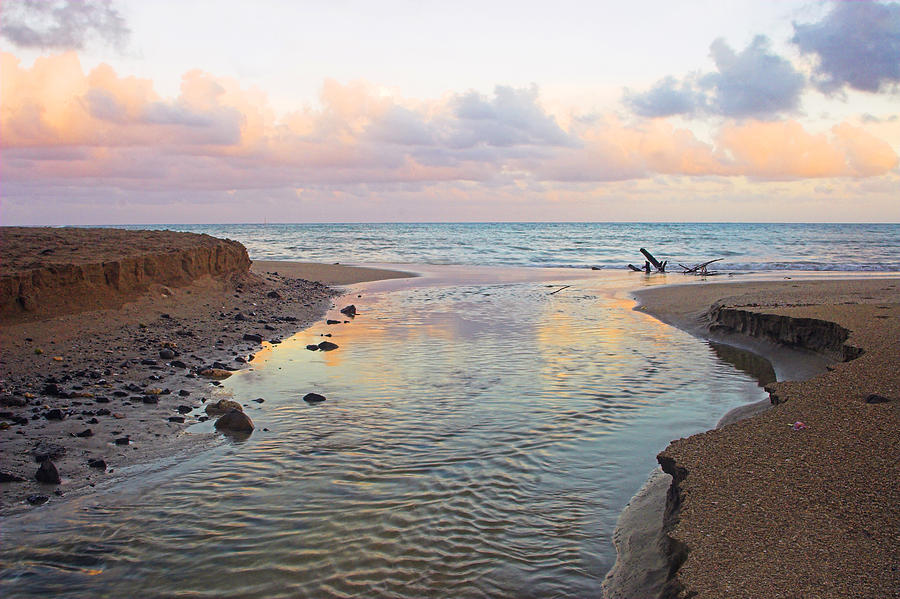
(758, 508)
(104, 334)
(801, 499)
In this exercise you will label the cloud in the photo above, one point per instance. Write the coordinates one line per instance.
(65, 128)
(857, 44)
(61, 24)
(751, 83)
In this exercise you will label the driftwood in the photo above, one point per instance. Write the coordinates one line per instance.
(698, 269)
(560, 289)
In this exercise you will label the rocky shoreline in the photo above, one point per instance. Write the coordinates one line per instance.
(800, 500)
(85, 392)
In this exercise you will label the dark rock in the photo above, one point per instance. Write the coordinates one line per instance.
(19, 420)
(123, 441)
(176, 418)
(149, 362)
(223, 406)
(274, 295)
(203, 418)
(184, 393)
(11, 400)
(45, 450)
(329, 321)
(312, 347)
(184, 409)
(240, 317)
(9, 477)
(103, 412)
(93, 421)
(47, 473)
(269, 327)
(349, 310)
(52, 389)
(54, 414)
(177, 364)
(167, 354)
(313, 398)
(150, 399)
(120, 393)
(166, 316)
(101, 399)
(876, 398)
(240, 360)
(253, 337)
(328, 346)
(37, 499)
(235, 421)
(259, 400)
(97, 463)
(85, 433)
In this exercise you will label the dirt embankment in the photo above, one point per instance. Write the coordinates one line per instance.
(48, 272)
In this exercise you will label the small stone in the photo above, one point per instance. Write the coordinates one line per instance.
(312, 347)
(222, 406)
(9, 477)
(97, 463)
(177, 364)
(167, 354)
(328, 346)
(329, 321)
(85, 433)
(235, 421)
(93, 421)
(349, 310)
(876, 398)
(313, 398)
(103, 412)
(11, 400)
(51, 389)
(37, 499)
(253, 337)
(176, 419)
(259, 400)
(47, 473)
(123, 441)
(184, 393)
(150, 399)
(184, 409)
(54, 414)
(215, 373)
(274, 295)
(149, 362)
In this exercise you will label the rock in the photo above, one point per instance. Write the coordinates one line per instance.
(97, 463)
(235, 421)
(101, 399)
(85, 433)
(312, 347)
(215, 373)
(269, 327)
(313, 398)
(259, 400)
(45, 450)
(93, 421)
(274, 295)
(11, 400)
(150, 399)
(176, 419)
(167, 354)
(184, 393)
(327, 346)
(222, 406)
(240, 317)
(54, 414)
(349, 310)
(184, 409)
(47, 473)
(253, 337)
(9, 477)
(177, 364)
(123, 441)
(51, 389)
(329, 321)
(876, 398)
(149, 362)
(103, 412)
(37, 499)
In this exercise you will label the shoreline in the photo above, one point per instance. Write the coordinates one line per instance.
(122, 383)
(839, 330)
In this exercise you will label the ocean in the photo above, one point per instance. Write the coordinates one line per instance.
(483, 430)
(743, 247)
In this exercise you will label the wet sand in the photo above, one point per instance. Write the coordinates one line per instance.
(121, 383)
(759, 509)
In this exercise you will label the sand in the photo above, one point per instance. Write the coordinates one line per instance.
(91, 345)
(763, 510)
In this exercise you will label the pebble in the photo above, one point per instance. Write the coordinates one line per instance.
(313, 398)
(47, 473)
(235, 421)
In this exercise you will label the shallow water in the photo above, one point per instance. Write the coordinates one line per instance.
(480, 437)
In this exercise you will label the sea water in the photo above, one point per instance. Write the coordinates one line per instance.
(742, 247)
(483, 429)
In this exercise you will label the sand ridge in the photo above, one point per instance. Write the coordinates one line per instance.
(769, 511)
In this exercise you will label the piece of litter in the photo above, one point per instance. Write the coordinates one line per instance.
(798, 426)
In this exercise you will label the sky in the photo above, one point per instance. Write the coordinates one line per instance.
(135, 112)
